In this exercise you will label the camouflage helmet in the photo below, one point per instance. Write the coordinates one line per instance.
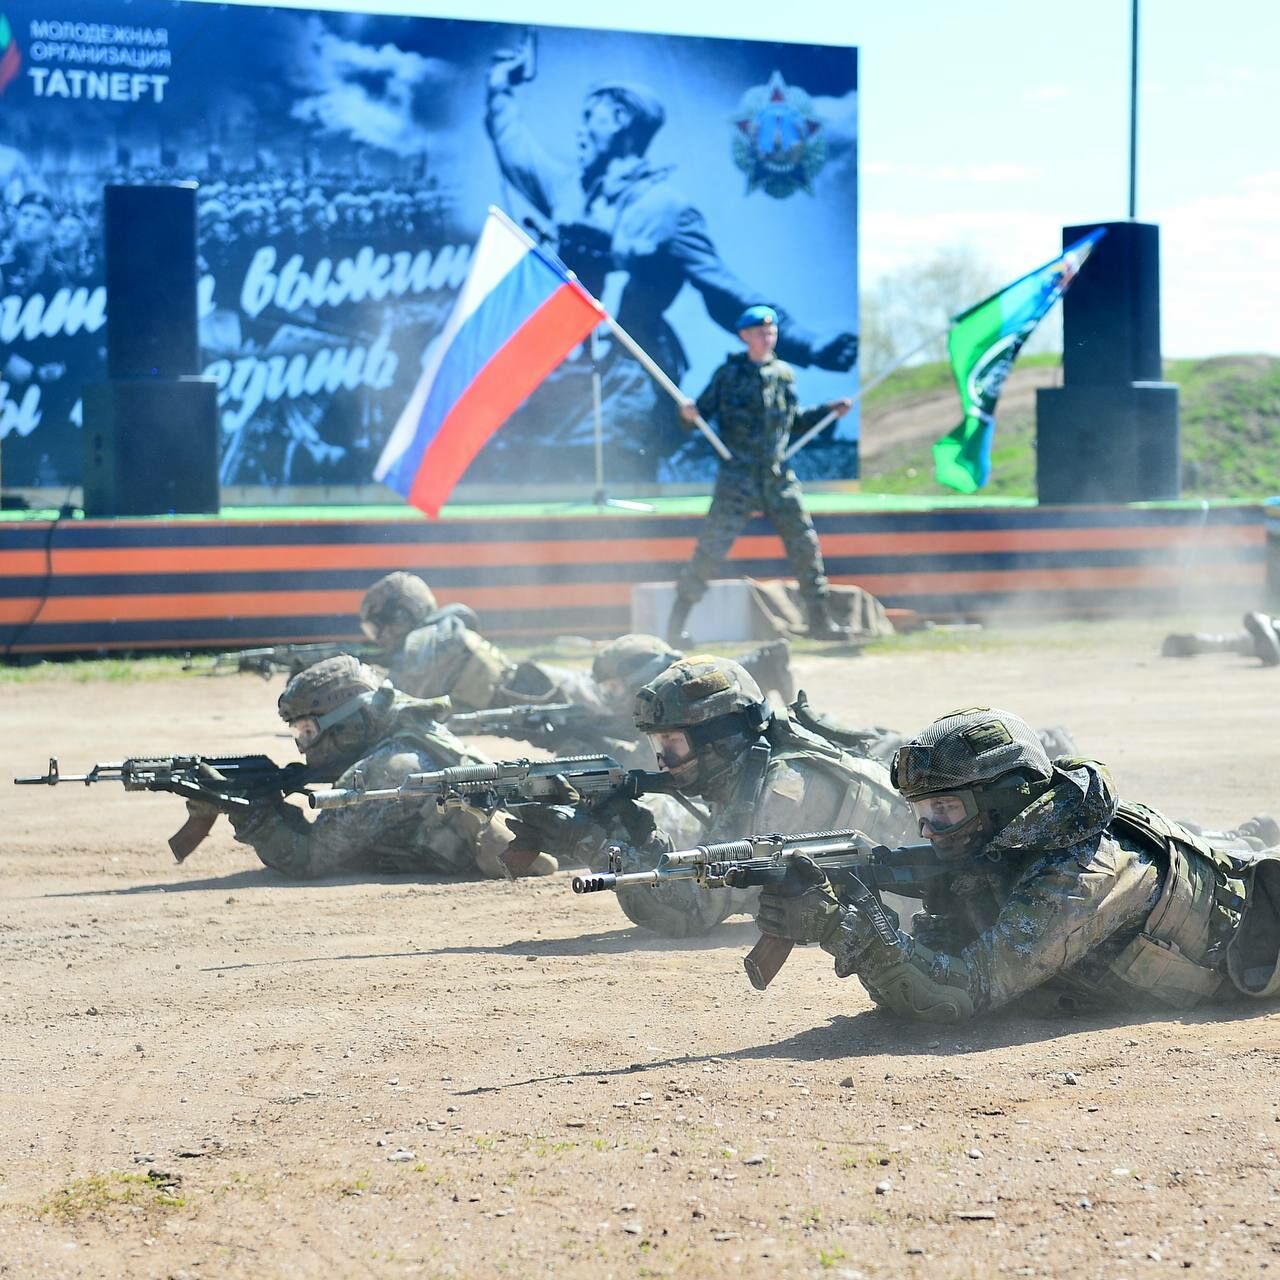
(991, 759)
(633, 659)
(967, 749)
(718, 708)
(399, 600)
(334, 693)
(697, 690)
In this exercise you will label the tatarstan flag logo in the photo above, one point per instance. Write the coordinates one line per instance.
(10, 57)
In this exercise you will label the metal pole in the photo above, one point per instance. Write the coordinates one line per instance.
(1133, 110)
(660, 377)
(797, 445)
(598, 418)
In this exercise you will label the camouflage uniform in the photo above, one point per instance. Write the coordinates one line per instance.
(448, 657)
(376, 739)
(1260, 639)
(780, 779)
(755, 409)
(1077, 901)
(382, 837)
(437, 652)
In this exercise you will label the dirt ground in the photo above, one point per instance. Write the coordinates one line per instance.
(208, 1071)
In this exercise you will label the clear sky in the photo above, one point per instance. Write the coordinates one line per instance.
(993, 124)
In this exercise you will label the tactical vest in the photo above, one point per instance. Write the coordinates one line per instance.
(870, 803)
(1179, 957)
(453, 843)
(449, 658)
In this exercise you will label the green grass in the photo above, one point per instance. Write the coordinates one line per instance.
(1229, 410)
(92, 1196)
(117, 670)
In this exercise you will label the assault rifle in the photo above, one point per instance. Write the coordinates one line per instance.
(543, 725)
(570, 780)
(289, 658)
(858, 871)
(244, 779)
(570, 789)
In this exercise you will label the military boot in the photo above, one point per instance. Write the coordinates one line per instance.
(1258, 833)
(678, 624)
(770, 665)
(1266, 643)
(1186, 644)
(822, 626)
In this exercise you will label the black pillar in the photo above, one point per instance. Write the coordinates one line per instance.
(1110, 433)
(150, 439)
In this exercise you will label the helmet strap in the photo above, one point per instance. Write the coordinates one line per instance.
(750, 723)
(375, 699)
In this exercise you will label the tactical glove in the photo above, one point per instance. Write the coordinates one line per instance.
(562, 830)
(199, 808)
(803, 907)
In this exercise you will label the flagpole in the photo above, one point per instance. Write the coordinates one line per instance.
(659, 376)
(862, 391)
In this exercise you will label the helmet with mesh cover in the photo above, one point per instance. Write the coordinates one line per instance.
(633, 660)
(395, 605)
(991, 761)
(714, 706)
(341, 701)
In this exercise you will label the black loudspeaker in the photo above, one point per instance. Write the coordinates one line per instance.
(1111, 313)
(150, 447)
(1107, 444)
(1110, 433)
(149, 238)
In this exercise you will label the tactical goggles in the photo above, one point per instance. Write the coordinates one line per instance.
(306, 731)
(939, 814)
(672, 747)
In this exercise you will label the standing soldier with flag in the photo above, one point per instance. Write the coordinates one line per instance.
(753, 398)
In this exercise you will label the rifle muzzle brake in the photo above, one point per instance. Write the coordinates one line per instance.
(594, 884)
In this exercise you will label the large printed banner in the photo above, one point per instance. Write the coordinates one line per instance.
(345, 164)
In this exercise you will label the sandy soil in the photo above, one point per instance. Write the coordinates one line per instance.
(210, 1072)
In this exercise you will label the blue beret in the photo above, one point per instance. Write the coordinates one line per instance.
(759, 314)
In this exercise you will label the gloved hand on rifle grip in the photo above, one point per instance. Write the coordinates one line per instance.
(560, 830)
(208, 776)
(803, 907)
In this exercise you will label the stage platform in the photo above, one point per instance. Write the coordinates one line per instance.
(270, 574)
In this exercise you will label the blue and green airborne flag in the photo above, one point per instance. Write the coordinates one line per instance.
(984, 342)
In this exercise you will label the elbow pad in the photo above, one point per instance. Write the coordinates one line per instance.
(909, 980)
(909, 992)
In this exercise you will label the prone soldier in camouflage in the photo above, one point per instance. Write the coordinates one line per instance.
(882, 744)
(756, 771)
(356, 728)
(1259, 639)
(433, 655)
(1063, 895)
(752, 397)
(625, 665)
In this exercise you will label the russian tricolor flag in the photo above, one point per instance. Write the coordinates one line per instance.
(518, 315)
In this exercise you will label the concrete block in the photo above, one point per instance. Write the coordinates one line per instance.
(727, 612)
